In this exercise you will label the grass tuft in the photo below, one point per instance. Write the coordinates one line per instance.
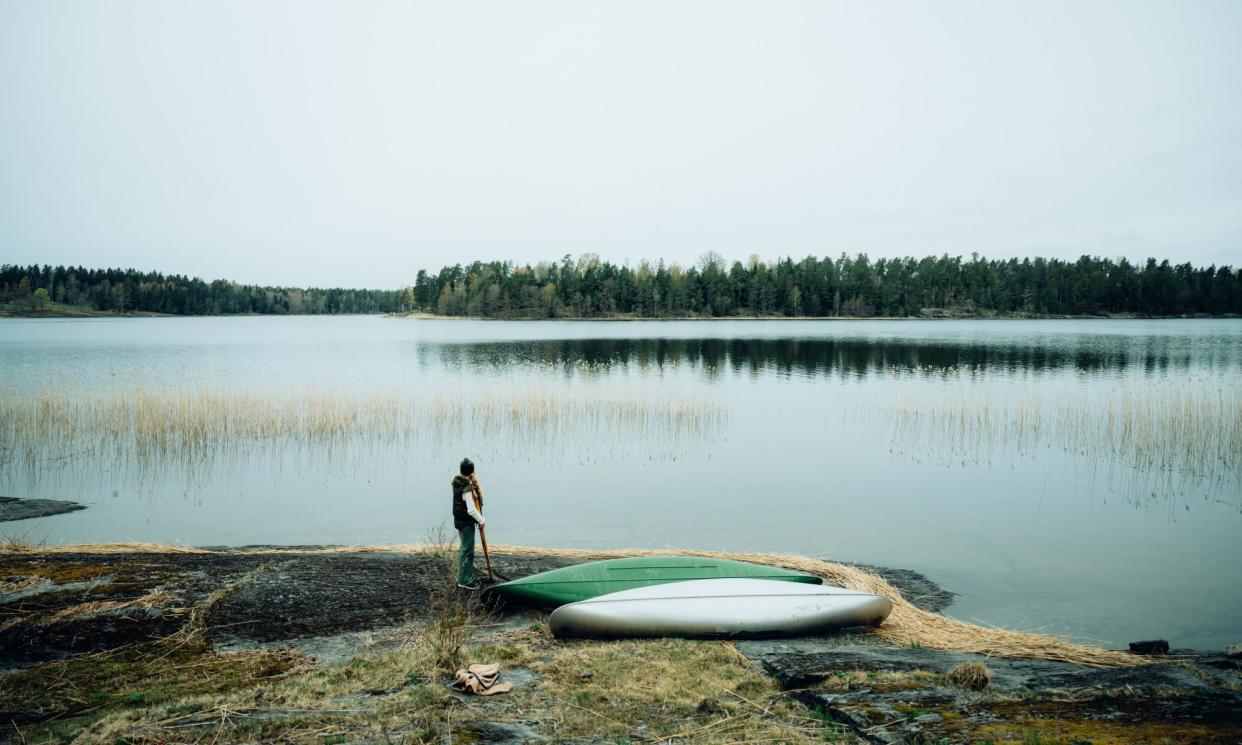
(454, 614)
(973, 676)
(20, 543)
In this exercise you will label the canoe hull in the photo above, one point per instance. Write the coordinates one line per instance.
(592, 579)
(720, 608)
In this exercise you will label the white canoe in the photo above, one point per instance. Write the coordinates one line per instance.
(720, 608)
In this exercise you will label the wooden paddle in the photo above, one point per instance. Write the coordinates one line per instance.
(476, 492)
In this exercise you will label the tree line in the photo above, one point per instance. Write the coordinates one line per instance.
(585, 287)
(35, 288)
(853, 286)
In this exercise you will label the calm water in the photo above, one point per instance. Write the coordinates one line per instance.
(810, 454)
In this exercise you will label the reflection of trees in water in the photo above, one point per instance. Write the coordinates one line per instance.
(844, 358)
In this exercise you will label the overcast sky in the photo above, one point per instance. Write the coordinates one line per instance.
(352, 144)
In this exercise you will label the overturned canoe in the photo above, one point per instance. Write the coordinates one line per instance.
(592, 579)
(729, 608)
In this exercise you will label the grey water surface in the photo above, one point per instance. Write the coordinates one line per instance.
(808, 456)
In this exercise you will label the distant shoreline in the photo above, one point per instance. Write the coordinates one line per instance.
(418, 315)
(421, 315)
(85, 313)
(67, 312)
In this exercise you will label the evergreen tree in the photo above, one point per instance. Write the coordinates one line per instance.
(588, 287)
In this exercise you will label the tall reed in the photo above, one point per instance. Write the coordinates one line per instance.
(148, 429)
(1171, 435)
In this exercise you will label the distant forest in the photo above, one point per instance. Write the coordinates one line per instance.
(37, 288)
(586, 287)
(846, 286)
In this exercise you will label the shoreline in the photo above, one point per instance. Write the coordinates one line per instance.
(153, 314)
(146, 643)
(336, 589)
(962, 317)
(419, 315)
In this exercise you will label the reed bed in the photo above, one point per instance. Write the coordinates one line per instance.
(150, 430)
(907, 625)
(1172, 435)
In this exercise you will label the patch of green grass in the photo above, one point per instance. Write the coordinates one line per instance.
(133, 698)
(821, 715)
(422, 695)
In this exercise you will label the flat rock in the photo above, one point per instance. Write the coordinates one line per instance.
(518, 676)
(331, 649)
(12, 508)
(320, 594)
(1150, 647)
(495, 733)
(1146, 703)
(330, 605)
(797, 663)
(914, 587)
(954, 716)
(875, 720)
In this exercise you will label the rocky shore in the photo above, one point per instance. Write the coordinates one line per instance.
(12, 508)
(896, 695)
(261, 614)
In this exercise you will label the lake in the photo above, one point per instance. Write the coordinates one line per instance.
(1078, 477)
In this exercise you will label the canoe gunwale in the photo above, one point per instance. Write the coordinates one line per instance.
(579, 582)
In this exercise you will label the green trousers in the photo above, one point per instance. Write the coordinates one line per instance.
(465, 555)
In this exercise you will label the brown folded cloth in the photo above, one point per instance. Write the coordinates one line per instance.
(481, 680)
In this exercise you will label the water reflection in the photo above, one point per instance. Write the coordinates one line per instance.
(838, 357)
(1053, 472)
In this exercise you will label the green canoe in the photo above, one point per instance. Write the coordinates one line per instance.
(583, 581)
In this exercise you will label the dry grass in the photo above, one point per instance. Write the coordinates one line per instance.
(454, 614)
(907, 625)
(119, 547)
(669, 690)
(131, 678)
(156, 599)
(18, 584)
(973, 676)
(137, 674)
(662, 690)
(19, 543)
(399, 692)
(150, 431)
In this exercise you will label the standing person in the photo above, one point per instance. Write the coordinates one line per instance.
(465, 517)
